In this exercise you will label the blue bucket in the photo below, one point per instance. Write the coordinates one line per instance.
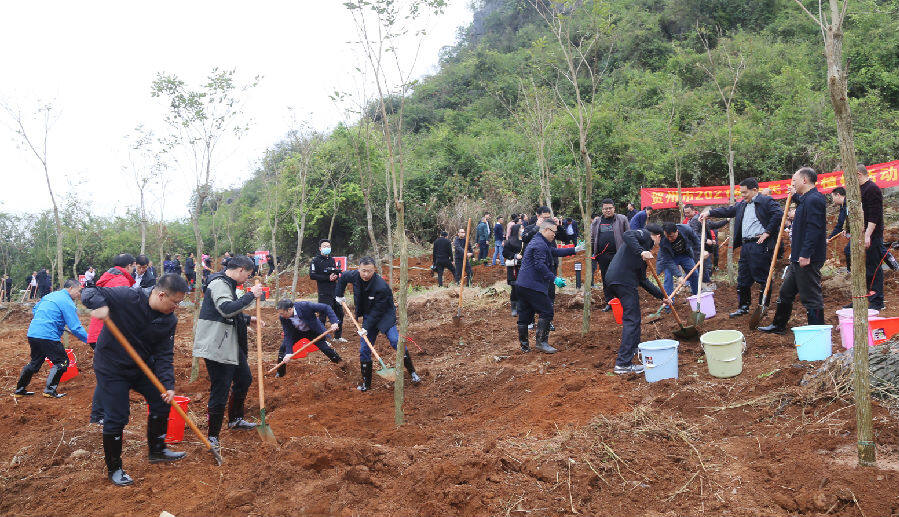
(813, 342)
(659, 358)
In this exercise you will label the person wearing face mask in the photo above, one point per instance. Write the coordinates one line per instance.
(323, 269)
(374, 304)
(221, 340)
(148, 323)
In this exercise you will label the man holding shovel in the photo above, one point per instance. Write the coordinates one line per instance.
(221, 339)
(374, 304)
(148, 323)
(298, 321)
(756, 225)
(626, 272)
(807, 254)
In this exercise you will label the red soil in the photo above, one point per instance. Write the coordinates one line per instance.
(488, 431)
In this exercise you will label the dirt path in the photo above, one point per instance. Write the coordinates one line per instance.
(490, 431)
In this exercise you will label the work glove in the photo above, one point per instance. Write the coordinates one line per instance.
(362, 332)
(286, 358)
(560, 282)
(579, 248)
(340, 299)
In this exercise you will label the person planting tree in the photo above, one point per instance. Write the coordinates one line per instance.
(299, 320)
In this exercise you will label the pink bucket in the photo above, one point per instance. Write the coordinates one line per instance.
(846, 323)
(706, 303)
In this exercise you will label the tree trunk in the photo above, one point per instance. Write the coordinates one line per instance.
(389, 238)
(402, 314)
(837, 85)
(195, 222)
(275, 251)
(301, 230)
(586, 214)
(143, 224)
(730, 225)
(333, 215)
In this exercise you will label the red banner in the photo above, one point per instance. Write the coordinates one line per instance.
(884, 174)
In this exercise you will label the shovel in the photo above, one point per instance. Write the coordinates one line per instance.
(658, 314)
(301, 353)
(685, 333)
(265, 432)
(759, 312)
(388, 374)
(149, 373)
(457, 319)
(697, 316)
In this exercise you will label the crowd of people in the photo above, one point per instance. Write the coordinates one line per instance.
(623, 247)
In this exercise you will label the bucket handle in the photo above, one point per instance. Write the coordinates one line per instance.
(743, 351)
(654, 365)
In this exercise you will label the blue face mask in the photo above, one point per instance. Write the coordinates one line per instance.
(326, 251)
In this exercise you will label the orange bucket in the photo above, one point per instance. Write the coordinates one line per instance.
(175, 432)
(617, 311)
(72, 370)
(883, 329)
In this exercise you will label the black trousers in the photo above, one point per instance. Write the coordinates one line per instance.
(873, 271)
(710, 263)
(225, 378)
(512, 280)
(440, 266)
(755, 259)
(338, 310)
(603, 260)
(45, 348)
(468, 271)
(532, 302)
(630, 324)
(113, 388)
(804, 281)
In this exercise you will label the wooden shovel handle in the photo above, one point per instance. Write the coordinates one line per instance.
(683, 280)
(359, 327)
(464, 262)
(652, 268)
(307, 345)
(259, 371)
(783, 221)
(150, 375)
(701, 258)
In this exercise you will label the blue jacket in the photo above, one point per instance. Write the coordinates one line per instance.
(638, 222)
(52, 314)
(809, 238)
(373, 300)
(841, 220)
(666, 251)
(482, 232)
(306, 311)
(537, 265)
(768, 211)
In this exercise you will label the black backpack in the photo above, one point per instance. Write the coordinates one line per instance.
(529, 232)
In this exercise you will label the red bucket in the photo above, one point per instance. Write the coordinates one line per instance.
(175, 433)
(617, 311)
(72, 370)
(300, 350)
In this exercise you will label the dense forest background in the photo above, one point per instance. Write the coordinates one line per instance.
(469, 142)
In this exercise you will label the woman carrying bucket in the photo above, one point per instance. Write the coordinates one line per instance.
(625, 273)
(807, 255)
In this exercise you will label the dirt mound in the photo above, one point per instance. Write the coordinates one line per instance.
(489, 431)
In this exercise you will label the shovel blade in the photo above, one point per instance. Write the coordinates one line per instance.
(388, 374)
(265, 432)
(686, 333)
(217, 456)
(697, 318)
(757, 314)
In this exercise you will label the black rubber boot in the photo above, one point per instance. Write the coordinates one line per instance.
(236, 413)
(815, 316)
(332, 355)
(523, 338)
(745, 296)
(156, 430)
(407, 362)
(542, 337)
(53, 381)
(112, 451)
(24, 379)
(781, 318)
(282, 370)
(366, 376)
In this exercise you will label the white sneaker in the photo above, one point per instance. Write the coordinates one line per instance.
(631, 368)
(340, 340)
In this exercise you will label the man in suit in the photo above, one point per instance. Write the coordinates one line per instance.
(756, 223)
(442, 257)
(808, 251)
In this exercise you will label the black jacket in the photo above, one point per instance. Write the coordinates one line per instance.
(189, 266)
(443, 252)
(240, 322)
(151, 333)
(458, 245)
(666, 250)
(767, 210)
(696, 225)
(809, 237)
(148, 280)
(320, 270)
(44, 282)
(373, 299)
(628, 268)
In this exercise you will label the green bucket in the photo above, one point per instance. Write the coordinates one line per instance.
(724, 352)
